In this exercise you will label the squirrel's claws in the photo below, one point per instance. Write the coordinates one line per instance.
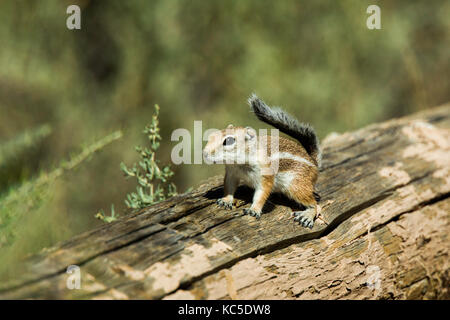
(252, 213)
(224, 204)
(305, 218)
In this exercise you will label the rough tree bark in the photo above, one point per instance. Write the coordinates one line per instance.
(382, 233)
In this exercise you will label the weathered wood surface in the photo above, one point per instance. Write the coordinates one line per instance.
(382, 233)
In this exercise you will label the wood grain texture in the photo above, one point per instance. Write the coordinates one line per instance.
(382, 233)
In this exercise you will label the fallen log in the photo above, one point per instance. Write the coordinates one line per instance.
(382, 233)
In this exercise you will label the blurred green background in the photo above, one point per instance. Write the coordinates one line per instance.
(199, 60)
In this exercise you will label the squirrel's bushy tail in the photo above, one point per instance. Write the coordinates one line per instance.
(287, 124)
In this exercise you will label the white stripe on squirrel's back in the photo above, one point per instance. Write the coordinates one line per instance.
(287, 155)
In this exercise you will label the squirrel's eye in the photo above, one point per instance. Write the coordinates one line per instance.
(229, 141)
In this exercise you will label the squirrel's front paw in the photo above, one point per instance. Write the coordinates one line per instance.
(224, 204)
(252, 213)
(305, 218)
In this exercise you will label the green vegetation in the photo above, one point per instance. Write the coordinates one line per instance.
(101, 215)
(199, 60)
(147, 172)
(30, 197)
(15, 153)
(152, 180)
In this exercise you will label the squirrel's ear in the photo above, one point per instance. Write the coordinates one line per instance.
(230, 126)
(250, 133)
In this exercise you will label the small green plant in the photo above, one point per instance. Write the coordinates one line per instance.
(153, 181)
(101, 215)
